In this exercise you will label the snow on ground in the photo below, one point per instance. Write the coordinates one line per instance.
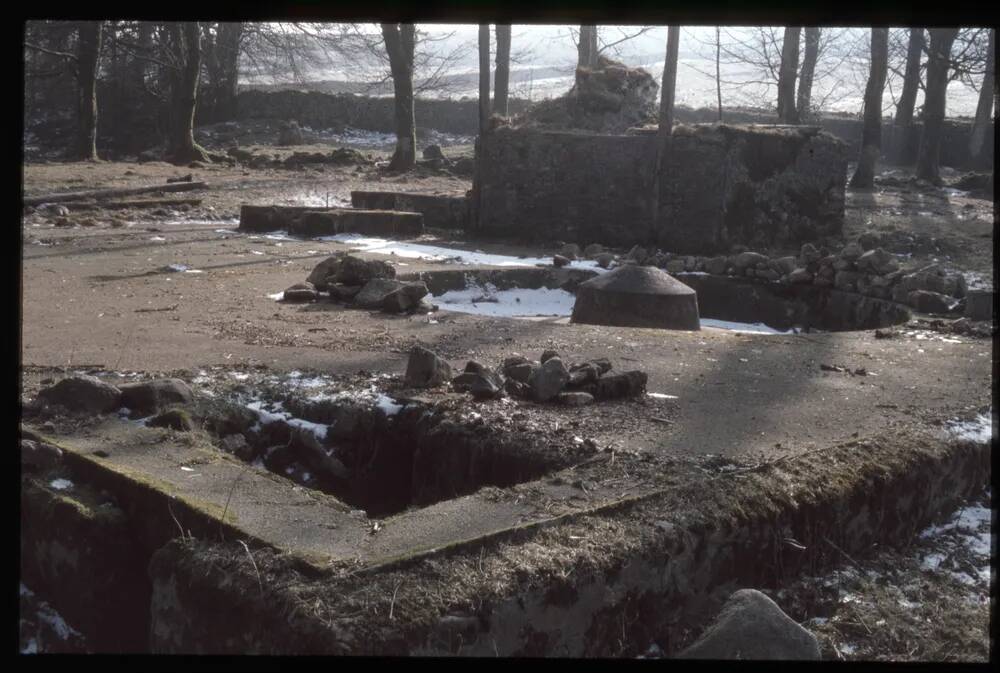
(434, 253)
(979, 429)
(487, 300)
(42, 629)
(744, 327)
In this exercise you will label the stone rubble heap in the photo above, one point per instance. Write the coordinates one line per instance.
(858, 267)
(547, 379)
(365, 284)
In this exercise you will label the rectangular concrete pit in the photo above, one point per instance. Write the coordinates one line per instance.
(308, 221)
(721, 185)
(658, 564)
(545, 568)
(440, 211)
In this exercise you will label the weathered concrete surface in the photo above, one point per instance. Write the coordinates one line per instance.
(307, 222)
(660, 563)
(440, 211)
(637, 296)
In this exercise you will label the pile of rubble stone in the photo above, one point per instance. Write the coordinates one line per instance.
(858, 267)
(547, 379)
(365, 284)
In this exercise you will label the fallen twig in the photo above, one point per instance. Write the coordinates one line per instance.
(154, 310)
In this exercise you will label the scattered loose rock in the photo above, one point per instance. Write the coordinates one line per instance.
(83, 393)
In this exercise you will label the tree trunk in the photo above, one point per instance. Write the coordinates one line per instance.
(666, 123)
(808, 70)
(181, 147)
(587, 49)
(985, 100)
(399, 44)
(484, 77)
(88, 50)
(718, 68)
(225, 70)
(871, 137)
(786, 76)
(911, 79)
(938, 62)
(501, 80)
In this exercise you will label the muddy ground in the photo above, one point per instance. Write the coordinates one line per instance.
(98, 295)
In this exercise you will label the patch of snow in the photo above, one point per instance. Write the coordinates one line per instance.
(277, 296)
(61, 484)
(508, 303)
(434, 253)
(178, 267)
(157, 238)
(388, 406)
(256, 252)
(267, 417)
(978, 430)
(31, 647)
(662, 396)
(744, 327)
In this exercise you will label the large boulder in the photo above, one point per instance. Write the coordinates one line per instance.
(548, 380)
(300, 292)
(151, 396)
(405, 297)
(357, 271)
(83, 393)
(327, 269)
(425, 369)
(752, 626)
(636, 296)
(375, 292)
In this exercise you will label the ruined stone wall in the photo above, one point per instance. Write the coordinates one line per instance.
(756, 186)
(323, 110)
(954, 142)
(550, 185)
(720, 186)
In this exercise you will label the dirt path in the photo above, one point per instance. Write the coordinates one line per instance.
(102, 297)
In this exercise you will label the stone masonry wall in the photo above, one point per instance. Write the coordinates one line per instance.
(721, 185)
(549, 185)
(756, 186)
(322, 110)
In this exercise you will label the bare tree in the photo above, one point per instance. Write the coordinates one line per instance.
(786, 76)
(185, 50)
(986, 99)
(938, 61)
(484, 77)
(587, 50)
(222, 60)
(718, 69)
(88, 50)
(665, 129)
(84, 65)
(871, 139)
(399, 45)
(501, 78)
(911, 79)
(804, 98)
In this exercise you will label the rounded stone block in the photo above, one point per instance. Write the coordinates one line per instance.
(637, 296)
